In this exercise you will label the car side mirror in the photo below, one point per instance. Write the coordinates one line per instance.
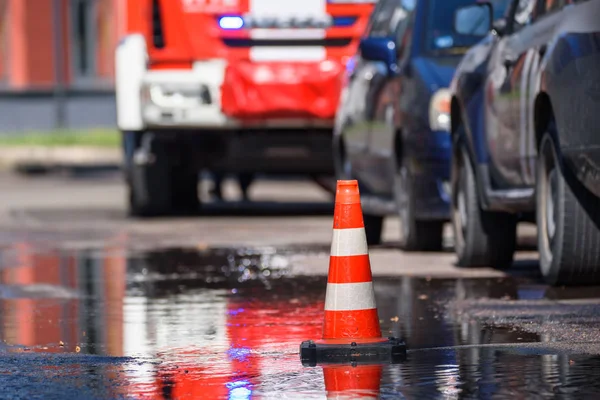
(474, 19)
(380, 49)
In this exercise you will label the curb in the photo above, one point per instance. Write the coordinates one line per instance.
(40, 158)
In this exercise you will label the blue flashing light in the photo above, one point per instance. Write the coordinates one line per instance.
(344, 21)
(231, 22)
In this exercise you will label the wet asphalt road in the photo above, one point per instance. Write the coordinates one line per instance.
(94, 305)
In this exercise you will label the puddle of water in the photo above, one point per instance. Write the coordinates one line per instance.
(227, 323)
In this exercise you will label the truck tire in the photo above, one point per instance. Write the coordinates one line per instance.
(567, 216)
(482, 238)
(416, 235)
(157, 185)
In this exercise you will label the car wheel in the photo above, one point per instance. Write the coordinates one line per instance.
(568, 236)
(416, 235)
(481, 238)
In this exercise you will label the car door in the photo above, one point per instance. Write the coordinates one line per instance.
(503, 83)
(382, 130)
(365, 84)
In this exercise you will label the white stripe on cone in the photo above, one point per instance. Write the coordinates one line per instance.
(349, 296)
(349, 242)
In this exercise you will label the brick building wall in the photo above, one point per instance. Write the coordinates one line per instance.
(90, 30)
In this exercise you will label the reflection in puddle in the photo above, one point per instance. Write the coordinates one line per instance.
(228, 323)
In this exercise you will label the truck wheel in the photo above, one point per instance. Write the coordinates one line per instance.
(482, 238)
(156, 186)
(568, 237)
(149, 190)
(416, 235)
(184, 190)
(157, 191)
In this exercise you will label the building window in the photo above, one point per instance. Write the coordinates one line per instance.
(83, 39)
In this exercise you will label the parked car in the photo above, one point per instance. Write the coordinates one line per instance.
(523, 113)
(393, 122)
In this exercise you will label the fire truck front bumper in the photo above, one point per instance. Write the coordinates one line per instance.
(215, 95)
(184, 98)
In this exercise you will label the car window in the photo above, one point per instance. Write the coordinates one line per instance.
(405, 12)
(374, 14)
(523, 14)
(440, 35)
(383, 18)
(500, 8)
(549, 6)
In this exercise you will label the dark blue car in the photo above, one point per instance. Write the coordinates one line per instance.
(393, 122)
(525, 120)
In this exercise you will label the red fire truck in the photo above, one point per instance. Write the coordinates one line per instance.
(231, 86)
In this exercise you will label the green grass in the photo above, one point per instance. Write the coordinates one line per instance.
(108, 138)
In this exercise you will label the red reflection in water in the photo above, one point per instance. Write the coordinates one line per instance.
(256, 331)
(253, 329)
(38, 322)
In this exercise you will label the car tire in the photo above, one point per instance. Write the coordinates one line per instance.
(567, 216)
(416, 235)
(482, 238)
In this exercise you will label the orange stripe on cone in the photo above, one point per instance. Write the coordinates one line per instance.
(350, 310)
(348, 216)
(361, 324)
(349, 269)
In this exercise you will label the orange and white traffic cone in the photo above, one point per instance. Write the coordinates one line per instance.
(350, 310)
(351, 331)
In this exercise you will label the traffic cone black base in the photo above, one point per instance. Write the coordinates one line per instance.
(386, 351)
